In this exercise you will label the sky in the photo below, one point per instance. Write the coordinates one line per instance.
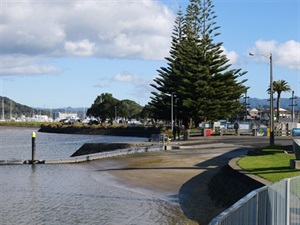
(62, 53)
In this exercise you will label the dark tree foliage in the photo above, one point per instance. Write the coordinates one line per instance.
(129, 109)
(198, 72)
(106, 107)
(146, 112)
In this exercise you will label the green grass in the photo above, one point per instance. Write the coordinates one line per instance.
(270, 164)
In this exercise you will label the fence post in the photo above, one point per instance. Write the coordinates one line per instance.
(257, 208)
(287, 197)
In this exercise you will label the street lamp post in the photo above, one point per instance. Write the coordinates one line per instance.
(172, 111)
(272, 140)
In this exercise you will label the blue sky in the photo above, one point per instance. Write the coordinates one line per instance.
(67, 52)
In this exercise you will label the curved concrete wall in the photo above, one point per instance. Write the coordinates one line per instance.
(296, 148)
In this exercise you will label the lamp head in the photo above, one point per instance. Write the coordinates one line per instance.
(252, 54)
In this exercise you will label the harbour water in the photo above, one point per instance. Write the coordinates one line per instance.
(70, 193)
(16, 143)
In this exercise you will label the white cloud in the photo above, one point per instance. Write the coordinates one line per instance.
(126, 77)
(28, 28)
(285, 54)
(231, 55)
(130, 29)
(20, 64)
(141, 87)
(80, 48)
(101, 85)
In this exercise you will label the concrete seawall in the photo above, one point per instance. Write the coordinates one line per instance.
(106, 154)
(89, 157)
(92, 148)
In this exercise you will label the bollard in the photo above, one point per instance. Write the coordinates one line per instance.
(33, 147)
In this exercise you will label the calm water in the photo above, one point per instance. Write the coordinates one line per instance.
(71, 193)
(16, 143)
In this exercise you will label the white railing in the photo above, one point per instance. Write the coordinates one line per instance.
(278, 203)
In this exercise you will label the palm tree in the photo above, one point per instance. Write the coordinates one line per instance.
(279, 87)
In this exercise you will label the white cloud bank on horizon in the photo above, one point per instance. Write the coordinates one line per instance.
(285, 54)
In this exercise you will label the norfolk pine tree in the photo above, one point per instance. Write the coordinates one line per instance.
(169, 77)
(219, 90)
(198, 71)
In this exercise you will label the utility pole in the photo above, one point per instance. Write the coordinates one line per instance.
(270, 57)
(246, 104)
(293, 104)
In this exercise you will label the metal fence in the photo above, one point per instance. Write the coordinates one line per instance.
(275, 204)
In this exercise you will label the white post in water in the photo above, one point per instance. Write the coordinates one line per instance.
(33, 147)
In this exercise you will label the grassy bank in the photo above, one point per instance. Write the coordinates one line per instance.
(54, 125)
(20, 124)
(272, 164)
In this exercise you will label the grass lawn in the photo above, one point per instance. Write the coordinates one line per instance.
(271, 164)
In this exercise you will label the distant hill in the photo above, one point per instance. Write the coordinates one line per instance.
(13, 109)
(264, 103)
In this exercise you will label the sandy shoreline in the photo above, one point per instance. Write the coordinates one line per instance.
(182, 175)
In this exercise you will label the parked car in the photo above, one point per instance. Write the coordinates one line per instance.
(93, 122)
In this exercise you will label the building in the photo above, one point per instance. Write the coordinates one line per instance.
(63, 116)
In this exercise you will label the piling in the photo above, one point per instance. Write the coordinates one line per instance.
(33, 137)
